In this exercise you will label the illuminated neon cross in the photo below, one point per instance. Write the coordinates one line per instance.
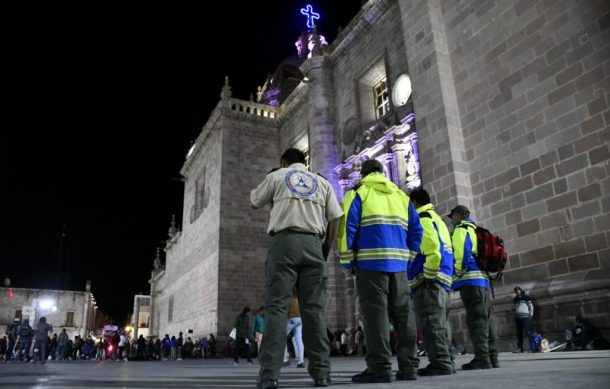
(311, 16)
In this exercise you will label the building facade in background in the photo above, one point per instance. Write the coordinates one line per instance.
(500, 106)
(140, 318)
(73, 310)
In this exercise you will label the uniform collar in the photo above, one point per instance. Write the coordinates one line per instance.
(297, 166)
(425, 208)
(468, 222)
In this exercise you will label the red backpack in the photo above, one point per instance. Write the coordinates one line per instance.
(491, 256)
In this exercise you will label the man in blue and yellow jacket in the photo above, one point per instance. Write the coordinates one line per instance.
(430, 277)
(379, 234)
(474, 287)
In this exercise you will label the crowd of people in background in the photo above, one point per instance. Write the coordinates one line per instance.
(24, 343)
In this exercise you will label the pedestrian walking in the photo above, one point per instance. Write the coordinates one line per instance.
(304, 204)
(12, 332)
(524, 312)
(258, 327)
(41, 336)
(25, 340)
(294, 326)
(241, 325)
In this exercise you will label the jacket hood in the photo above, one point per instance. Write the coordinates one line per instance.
(378, 182)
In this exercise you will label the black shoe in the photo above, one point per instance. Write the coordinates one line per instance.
(321, 382)
(476, 364)
(267, 384)
(367, 377)
(403, 376)
(495, 364)
(431, 371)
(286, 363)
(301, 365)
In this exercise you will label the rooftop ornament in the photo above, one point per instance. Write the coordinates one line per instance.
(311, 16)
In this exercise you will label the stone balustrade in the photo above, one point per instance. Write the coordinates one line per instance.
(253, 108)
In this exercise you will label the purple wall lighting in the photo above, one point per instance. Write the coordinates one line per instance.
(311, 16)
(396, 149)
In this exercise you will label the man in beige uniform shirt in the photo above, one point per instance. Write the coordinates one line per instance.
(303, 205)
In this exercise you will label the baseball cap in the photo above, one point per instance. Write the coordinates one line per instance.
(460, 210)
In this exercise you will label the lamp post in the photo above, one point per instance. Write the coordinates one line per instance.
(42, 306)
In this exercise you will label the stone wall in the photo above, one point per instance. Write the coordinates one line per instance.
(522, 92)
(191, 271)
(532, 80)
(250, 148)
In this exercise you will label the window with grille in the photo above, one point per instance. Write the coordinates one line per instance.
(170, 309)
(70, 319)
(382, 98)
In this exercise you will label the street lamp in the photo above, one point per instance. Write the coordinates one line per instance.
(42, 306)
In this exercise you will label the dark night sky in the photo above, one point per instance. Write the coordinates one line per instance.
(101, 103)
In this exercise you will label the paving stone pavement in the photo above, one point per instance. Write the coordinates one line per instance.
(582, 370)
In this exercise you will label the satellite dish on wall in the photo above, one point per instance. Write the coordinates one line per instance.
(7, 282)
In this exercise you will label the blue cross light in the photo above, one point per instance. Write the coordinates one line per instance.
(311, 16)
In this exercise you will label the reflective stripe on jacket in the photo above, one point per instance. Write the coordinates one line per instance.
(435, 259)
(467, 271)
(380, 229)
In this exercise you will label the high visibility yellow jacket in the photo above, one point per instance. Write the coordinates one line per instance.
(467, 271)
(434, 262)
(380, 229)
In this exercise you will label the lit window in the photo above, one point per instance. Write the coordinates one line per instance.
(382, 98)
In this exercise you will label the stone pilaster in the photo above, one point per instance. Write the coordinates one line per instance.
(324, 156)
(441, 142)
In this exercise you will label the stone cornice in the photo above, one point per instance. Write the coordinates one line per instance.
(314, 63)
(203, 135)
(296, 98)
(548, 290)
(242, 116)
(4, 291)
(156, 277)
(360, 24)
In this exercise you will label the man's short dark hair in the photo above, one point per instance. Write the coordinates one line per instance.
(421, 196)
(371, 166)
(293, 156)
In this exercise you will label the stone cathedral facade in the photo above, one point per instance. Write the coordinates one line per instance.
(498, 105)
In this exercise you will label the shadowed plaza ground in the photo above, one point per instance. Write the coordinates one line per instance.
(583, 370)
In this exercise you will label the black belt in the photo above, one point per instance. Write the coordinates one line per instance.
(289, 231)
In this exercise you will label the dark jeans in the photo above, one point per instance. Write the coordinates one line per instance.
(240, 344)
(10, 350)
(523, 323)
(40, 350)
